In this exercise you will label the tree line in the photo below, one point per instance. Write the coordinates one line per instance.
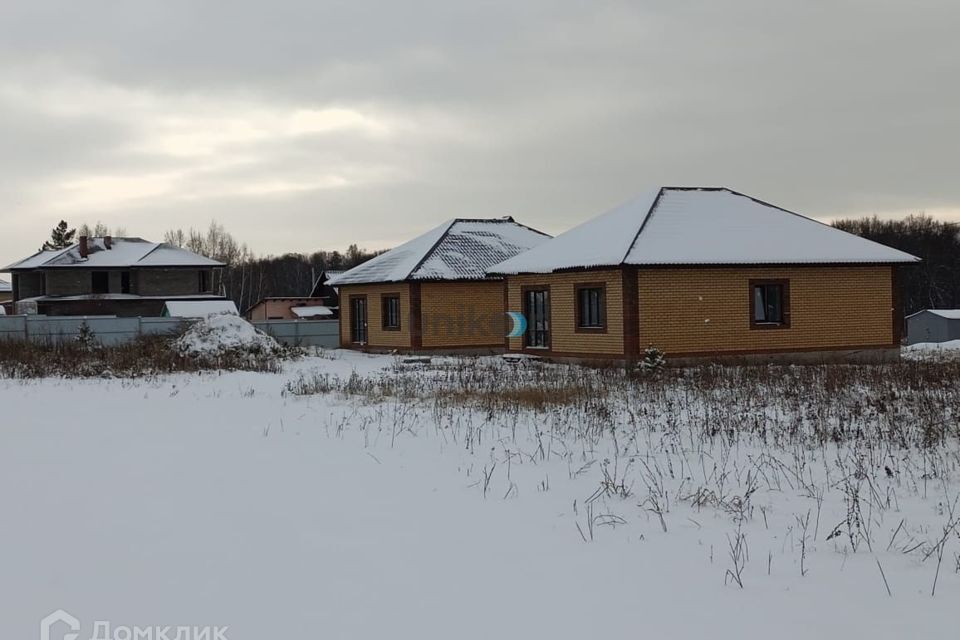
(934, 283)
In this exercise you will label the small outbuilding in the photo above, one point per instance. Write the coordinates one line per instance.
(291, 308)
(933, 325)
(198, 308)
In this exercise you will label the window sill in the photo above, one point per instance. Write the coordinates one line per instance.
(602, 329)
(769, 325)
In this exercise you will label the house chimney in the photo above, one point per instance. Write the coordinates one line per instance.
(84, 249)
(108, 242)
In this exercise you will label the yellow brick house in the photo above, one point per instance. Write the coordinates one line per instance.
(433, 293)
(706, 273)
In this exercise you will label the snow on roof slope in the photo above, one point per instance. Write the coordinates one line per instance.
(701, 225)
(123, 252)
(601, 241)
(312, 312)
(198, 308)
(949, 314)
(459, 249)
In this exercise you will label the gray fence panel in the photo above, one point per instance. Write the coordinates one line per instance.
(13, 327)
(106, 330)
(113, 331)
(164, 326)
(303, 333)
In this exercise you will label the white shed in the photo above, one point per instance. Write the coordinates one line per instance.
(198, 308)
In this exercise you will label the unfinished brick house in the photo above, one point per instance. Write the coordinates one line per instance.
(433, 293)
(110, 276)
(706, 273)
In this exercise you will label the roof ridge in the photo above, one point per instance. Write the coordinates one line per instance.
(653, 205)
(429, 252)
(156, 246)
(504, 219)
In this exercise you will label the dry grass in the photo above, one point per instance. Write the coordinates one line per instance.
(907, 403)
(148, 355)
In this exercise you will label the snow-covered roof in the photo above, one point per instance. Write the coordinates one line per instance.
(198, 308)
(949, 314)
(123, 252)
(317, 311)
(699, 225)
(459, 249)
(5, 286)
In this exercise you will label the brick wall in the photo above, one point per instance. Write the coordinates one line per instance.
(376, 335)
(68, 282)
(462, 314)
(28, 285)
(563, 312)
(167, 282)
(708, 310)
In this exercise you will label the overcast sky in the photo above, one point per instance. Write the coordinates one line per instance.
(307, 124)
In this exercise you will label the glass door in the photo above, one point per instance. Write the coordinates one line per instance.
(537, 310)
(358, 317)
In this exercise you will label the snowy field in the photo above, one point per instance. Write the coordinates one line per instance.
(352, 496)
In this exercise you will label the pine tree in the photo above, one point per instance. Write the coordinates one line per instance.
(61, 237)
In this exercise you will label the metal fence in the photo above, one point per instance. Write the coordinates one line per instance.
(109, 330)
(303, 333)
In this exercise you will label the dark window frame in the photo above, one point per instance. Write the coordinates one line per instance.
(524, 290)
(784, 304)
(354, 338)
(203, 282)
(385, 300)
(104, 277)
(579, 327)
(125, 282)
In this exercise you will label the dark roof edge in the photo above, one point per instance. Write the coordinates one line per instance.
(708, 265)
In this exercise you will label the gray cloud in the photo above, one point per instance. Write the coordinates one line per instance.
(304, 124)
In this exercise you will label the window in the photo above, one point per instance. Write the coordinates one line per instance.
(100, 282)
(769, 304)
(204, 282)
(358, 319)
(536, 307)
(125, 282)
(390, 307)
(591, 307)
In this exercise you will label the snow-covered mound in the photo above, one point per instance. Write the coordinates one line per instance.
(222, 334)
(928, 350)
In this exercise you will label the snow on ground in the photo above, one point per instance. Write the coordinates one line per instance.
(932, 350)
(219, 499)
